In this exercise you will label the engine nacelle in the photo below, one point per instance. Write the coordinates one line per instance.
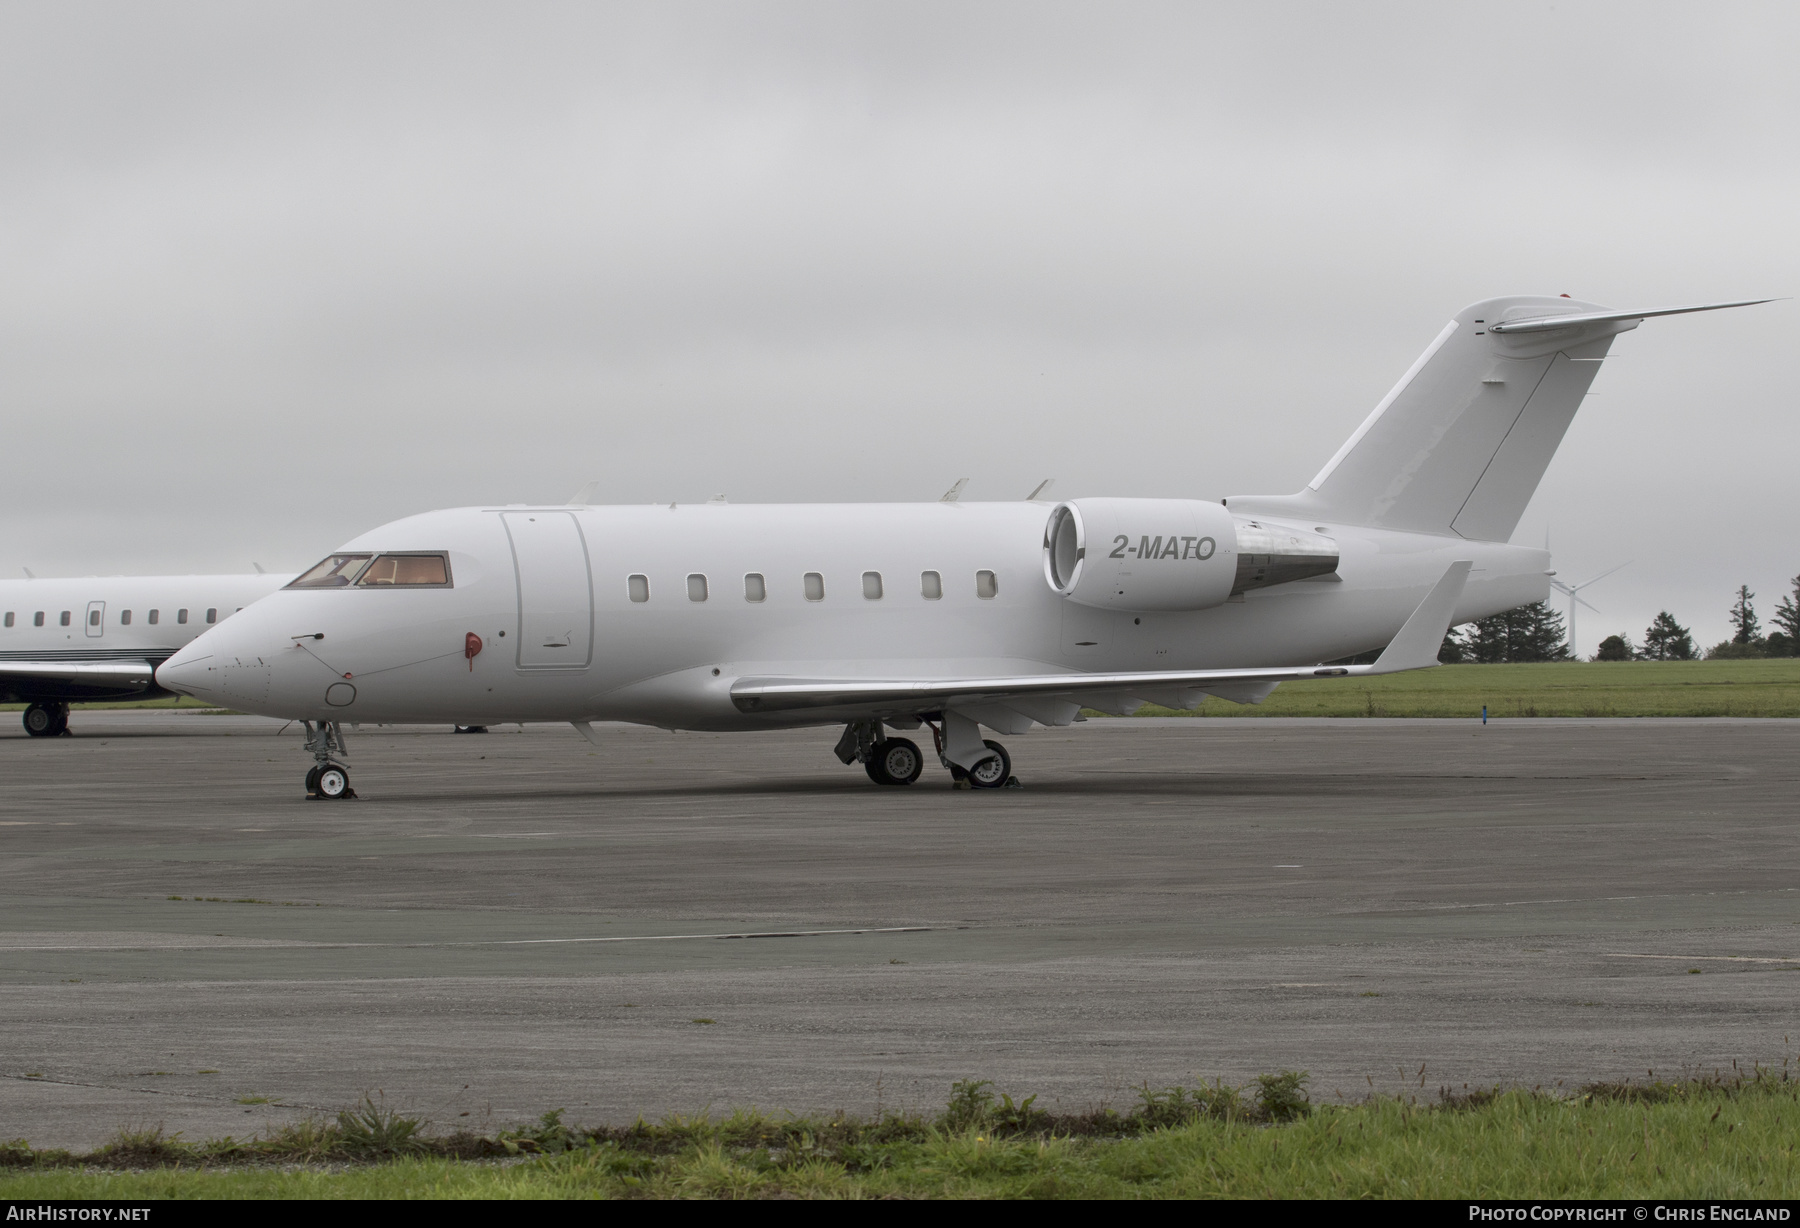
(1154, 555)
(1141, 554)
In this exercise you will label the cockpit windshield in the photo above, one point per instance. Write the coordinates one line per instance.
(407, 570)
(413, 569)
(338, 571)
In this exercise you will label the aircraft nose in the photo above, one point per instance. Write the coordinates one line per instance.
(185, 673)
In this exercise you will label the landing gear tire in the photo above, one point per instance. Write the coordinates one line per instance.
(895, 761)
(332, 783)
(312, 782)
(46, 720)
(992, 772)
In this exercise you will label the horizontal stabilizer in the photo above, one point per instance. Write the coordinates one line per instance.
(1538, 324)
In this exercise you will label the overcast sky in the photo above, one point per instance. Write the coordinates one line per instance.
(271, 275)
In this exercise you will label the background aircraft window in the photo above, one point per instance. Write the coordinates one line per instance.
(755, 587)
(815, 586)
(696, 587)
(212, 616)
(872, 585)
(931, 585)
(37, 620)
(124, 618)
(65, 618)
(335, 571)
(986, 585)
(9, 618)
(638, 587)
(181, 616)
(406, 570)
(155, 617)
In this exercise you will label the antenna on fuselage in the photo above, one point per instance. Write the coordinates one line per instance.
(950, 496)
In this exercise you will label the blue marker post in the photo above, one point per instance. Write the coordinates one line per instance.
(1484, 714)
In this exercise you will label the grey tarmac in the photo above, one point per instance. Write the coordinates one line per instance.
(669, 923)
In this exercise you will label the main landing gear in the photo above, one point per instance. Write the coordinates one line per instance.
(328, 781)
(898, 761)
(44, 720)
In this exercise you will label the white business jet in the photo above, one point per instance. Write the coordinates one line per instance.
(884, 618)
(101, 638)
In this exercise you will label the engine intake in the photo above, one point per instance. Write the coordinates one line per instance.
(1154, 555)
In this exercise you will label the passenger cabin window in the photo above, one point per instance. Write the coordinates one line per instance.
(155, 617)
(406, 571)
(638, 587)
(696, 587)
(212, 616)
(181, 616)
(124, 618)
(336, 571)
(931, 585)
(872, 585)
(815, 586)
(9, 618)
(986, 586)
(65, 618)
(37, 620)
(755, 587)
(93, 618)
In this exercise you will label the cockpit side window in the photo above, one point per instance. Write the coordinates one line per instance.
(406, 571)
(337, 571)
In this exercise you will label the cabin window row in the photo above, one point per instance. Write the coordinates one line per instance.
(67, 618)
(812, 586)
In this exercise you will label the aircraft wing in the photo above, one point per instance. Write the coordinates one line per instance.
(122, 674)
(1415, 647)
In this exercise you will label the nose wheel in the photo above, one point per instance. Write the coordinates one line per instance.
(328, 780)
(47, 720)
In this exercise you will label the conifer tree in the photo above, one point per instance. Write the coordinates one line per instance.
(1667, 640)
(1743, 617)
(1787, 617)
(1529, 633)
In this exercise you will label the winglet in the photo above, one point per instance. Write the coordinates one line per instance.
(581, 497)
(1416, 647)
(955, 492)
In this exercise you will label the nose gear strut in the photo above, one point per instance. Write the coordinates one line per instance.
(328, 780)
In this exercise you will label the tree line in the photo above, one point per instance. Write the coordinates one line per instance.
(1535, 632)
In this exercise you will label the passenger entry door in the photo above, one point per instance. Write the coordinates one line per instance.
(556, 593)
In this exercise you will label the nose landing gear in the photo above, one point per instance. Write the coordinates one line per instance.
(328, 780)
(44, 720)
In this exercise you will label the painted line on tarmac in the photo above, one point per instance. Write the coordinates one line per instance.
(276, 944)
(1732, 959)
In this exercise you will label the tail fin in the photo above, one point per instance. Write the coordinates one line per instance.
(1459, 445)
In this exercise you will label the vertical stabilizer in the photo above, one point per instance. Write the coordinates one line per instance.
(1459, 445)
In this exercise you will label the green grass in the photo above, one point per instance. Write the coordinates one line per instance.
(1769, 688)
(1731, 1138)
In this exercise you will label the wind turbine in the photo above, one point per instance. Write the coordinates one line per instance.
(1573, 593)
